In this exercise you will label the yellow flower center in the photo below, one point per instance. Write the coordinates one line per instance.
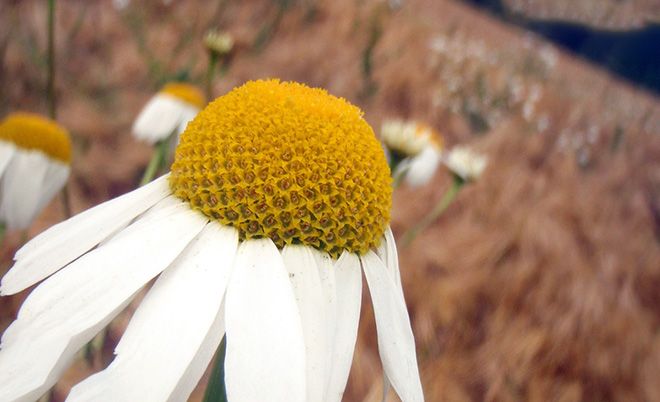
(185, 92)
(287, 162)
(32, 131)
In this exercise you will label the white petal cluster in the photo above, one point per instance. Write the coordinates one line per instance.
(420, 169)
(163, 116)
(466, 163)
(219, 42)
(406, 137)
(29, 179)
(290, 316)
(418, 144)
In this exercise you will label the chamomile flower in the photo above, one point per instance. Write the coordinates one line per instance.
(416, 149)
(35, 159)
(168, 112)
(278, 199)
(465, 163)
(220, 43)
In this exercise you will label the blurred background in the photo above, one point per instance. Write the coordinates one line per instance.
(540, 282)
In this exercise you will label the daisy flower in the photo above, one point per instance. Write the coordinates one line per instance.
(278, 198)
(35, 159)
(220, 43)
(465, 163)
(415, 150)
(168, 112)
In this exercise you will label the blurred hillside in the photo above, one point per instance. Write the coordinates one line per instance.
(607, 14)
(620, 36)
(540, 283)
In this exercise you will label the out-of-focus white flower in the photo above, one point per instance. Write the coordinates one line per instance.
(120, 5)
(549, 57)
(593, 134)
(35, 159)
(408, 138)
(466, 163)
(420, 169)
(543, 123)
(417, 145)
(168, 112)
(219, 42)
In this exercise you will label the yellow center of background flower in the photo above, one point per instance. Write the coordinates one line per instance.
(32, 131)
(287, 162)
(185, 92)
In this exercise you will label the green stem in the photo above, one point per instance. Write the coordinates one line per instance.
(395, 160)
(24, 236)
(50, 90)
(3, 230)
(224, 66)
(95, 347)
(66, 202)
(51, 60)
(446, 199)
(210, 74)
(215, 390)
(156, 162)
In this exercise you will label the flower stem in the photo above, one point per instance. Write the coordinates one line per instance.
(446, 199)
(95, 347)
(66, 202)
(210, 74)
(51, 60)
(215, 390)
(156, 162)
(50, 90)
(395, 160)
(3, 230)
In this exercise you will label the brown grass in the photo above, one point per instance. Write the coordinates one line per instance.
(541, 281)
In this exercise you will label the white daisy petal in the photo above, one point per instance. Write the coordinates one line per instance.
(201, 360)
(159, 118)
(326, 272)
(187, 114)
(165, 203)
(386, 387)
(163, 337)
(466, 163)
(6, 152)
(67, 310)
(389, 255)
(66, 241)
(265, 358)
(422, 167)
(396, 344)
(304, 276)
(20, 187)
(55, 178)
(349, 300)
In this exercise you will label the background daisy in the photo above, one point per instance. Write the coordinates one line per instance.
(168, 112)
(35, 160)
(414, 150)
